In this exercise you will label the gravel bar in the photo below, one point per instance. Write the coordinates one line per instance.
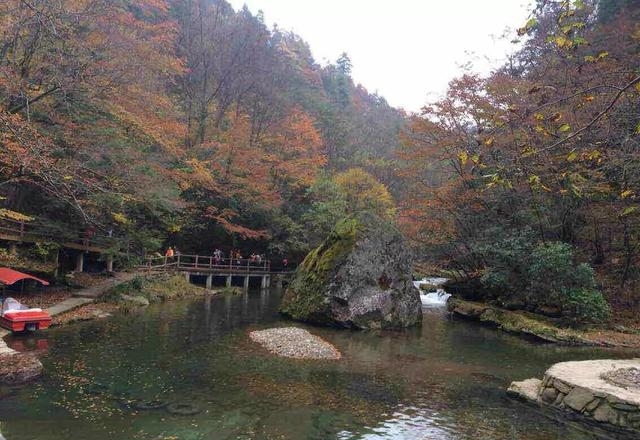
(294, 342)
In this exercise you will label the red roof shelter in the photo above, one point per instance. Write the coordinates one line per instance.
(10, 276)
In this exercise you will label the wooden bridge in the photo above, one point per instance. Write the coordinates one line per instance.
(85, 240)
(210, 267)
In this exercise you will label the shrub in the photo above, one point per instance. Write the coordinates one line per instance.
(550, 271)
(583, 306)
(506, 262)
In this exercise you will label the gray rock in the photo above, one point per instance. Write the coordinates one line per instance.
(527, 389)
(578, 398)
(604, 413)
(549, 395)
(360, 277)
(624, 407)
(561, 386)
(559, 399)
(20, 368)
(592, 405)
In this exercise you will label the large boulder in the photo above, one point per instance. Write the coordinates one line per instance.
(360, 277)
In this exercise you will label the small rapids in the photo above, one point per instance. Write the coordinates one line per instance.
(432, 298)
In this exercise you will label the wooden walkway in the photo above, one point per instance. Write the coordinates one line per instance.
(35, 232)
(86, 240)
(209, 266)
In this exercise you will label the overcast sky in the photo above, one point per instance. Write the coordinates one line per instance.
(405, 50)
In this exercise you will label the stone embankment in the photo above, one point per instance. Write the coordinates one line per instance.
(601, 394)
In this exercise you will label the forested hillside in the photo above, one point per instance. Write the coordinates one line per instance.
(180, 122)
(528, 179)
(185, 122)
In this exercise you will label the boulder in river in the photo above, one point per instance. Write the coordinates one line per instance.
(360, 278)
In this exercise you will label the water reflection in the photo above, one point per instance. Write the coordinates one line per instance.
(187, 370)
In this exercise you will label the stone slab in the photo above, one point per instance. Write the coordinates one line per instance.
(587, 374)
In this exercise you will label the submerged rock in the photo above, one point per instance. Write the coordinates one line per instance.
(19, 368)
(360, 277)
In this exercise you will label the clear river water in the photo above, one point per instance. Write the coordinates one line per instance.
(188, 371)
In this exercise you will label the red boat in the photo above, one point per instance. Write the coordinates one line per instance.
(17, 317)
(14, 315)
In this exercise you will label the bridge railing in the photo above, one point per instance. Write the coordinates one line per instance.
(207, 263)
(35, 231)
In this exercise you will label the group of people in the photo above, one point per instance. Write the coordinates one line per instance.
(235, 257)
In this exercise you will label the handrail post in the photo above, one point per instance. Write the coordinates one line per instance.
(21, 229)
(178, 262)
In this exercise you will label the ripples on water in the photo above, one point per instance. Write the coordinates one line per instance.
(115, 379)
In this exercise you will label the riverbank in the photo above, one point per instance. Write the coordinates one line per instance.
(94, 297)
(542, 328)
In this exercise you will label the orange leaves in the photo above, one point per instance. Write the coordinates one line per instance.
(297, 149)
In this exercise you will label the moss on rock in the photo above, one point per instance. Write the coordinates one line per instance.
(360, 277)
(304, 297)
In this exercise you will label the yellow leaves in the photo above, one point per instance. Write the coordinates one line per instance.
(363, 192)
(564, 128)
(594, 59)
(528, 151)
(14, 215)
(562, 42)
(119, 217)
(463, 156)
(627, 193)
(489, 141)
(536, 182)
(529, 25)
(637, 130)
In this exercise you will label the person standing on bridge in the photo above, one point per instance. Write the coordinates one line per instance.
(169, 253)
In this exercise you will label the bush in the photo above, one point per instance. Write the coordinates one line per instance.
(506, 264)
(545, 276)
(584, 306)
(550, 272)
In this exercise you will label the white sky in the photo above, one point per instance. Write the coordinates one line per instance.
(405, 50)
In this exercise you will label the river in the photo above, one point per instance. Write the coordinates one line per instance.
(187, 371)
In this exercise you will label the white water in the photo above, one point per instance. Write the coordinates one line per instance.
(437, 298)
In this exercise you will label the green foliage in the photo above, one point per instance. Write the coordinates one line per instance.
(583, 306)
(154, 287)
(543, 275)
(328, 205)
(44, 251)
(507, 261)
